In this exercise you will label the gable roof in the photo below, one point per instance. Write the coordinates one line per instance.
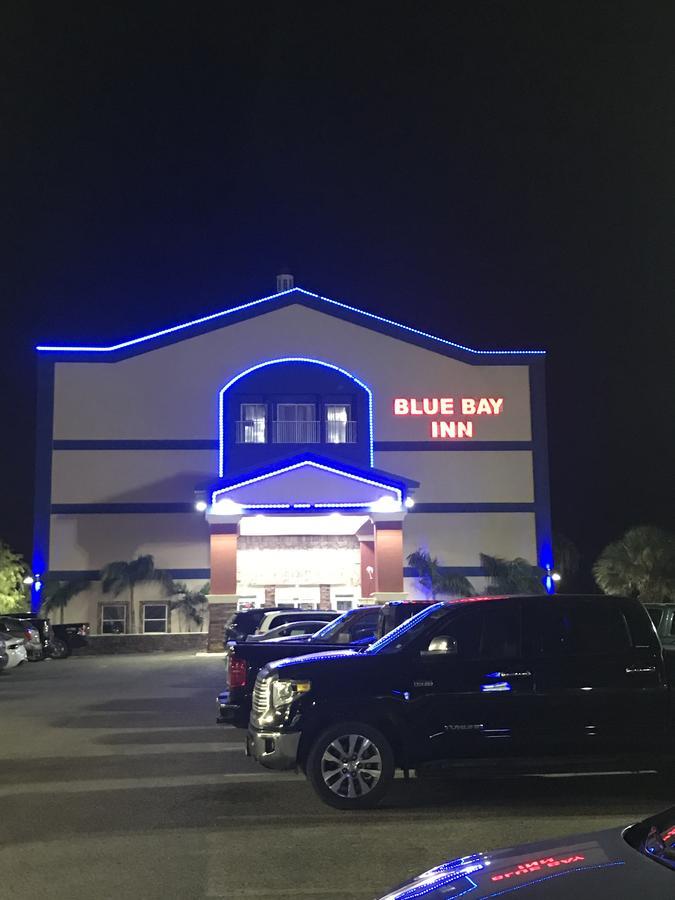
(295, 295)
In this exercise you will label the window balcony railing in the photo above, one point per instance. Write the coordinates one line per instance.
(296, 432)
(251, 431)
(341, 432)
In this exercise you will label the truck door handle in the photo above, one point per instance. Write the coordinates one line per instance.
(632, 670)
(521, 674)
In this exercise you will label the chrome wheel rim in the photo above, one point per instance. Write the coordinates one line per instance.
(351, 766)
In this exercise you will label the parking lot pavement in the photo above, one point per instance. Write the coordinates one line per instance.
(115, 782)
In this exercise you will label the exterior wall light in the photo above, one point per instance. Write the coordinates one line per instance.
(409, 502)
(385, 504)
(556, 576)
(28, 580)
(201, 506)
(227, 507)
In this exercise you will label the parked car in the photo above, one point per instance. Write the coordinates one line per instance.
(27, 632)
(15, 650)
(355, 629)
(286, 616)
(663, 617)
(57, 641)
(291, 630)
(638, 861)
(4, 656)
(68, 637)
(532, 681)
(247, 621)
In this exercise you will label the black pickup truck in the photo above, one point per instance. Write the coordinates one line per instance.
(354, 630)
(522, 684)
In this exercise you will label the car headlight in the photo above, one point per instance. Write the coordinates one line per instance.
(284, 692)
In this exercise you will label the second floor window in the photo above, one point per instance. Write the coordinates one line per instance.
(340, 429)
(252, 427)
(296, 424)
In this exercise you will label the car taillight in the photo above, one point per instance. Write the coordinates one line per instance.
(237, 671)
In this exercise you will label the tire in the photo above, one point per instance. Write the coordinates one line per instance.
(59, 649)
(351, 765)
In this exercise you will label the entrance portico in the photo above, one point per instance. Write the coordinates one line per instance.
(308, 523)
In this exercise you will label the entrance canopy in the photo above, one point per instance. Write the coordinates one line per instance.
(308, 484)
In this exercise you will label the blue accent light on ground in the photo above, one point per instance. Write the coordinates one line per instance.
(281, 360)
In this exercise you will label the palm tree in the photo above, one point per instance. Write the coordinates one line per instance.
(566, 555)
(57, 594)
(435, 580)
(121, 576)
(190, 603)
(641, 564)
(511, 576)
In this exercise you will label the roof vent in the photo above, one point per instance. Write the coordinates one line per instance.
(284, 281)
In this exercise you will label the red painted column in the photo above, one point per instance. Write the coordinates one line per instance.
(388, 557)
(224, 558)
(367, 562)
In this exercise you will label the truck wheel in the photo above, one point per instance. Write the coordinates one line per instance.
(58, 649)
(351, 765)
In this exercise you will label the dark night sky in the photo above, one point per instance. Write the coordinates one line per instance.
(500, 173)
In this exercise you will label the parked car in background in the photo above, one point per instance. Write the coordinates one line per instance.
(535, 682)
(16, 651)
(4, 657)
(27, 632)
(633, 862)
(246, 621)
(663, 617)
(287, 616)
(289, 631)
(68, 637)
(355, 629)
(43, 627)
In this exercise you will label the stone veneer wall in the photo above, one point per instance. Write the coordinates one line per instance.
(143, 643)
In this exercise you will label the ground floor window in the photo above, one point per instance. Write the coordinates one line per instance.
(114, 618)
(154, 618)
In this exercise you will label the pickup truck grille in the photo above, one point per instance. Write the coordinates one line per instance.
(261, 697)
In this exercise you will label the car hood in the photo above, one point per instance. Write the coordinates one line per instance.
(310, 659)
(594, 865)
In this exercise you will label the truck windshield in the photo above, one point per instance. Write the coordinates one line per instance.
(343, 630)
(409, 630)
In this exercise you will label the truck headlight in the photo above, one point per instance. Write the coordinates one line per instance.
(284, 692)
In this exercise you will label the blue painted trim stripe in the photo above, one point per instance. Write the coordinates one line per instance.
(84, 509)
(168, 444)
(409, 572)
(209, 444)
(95, 575)
(43, 471)
(472, 508)
(423, 446)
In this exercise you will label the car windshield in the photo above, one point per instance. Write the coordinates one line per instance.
(655, 837)
(409, 630)
(332, 632)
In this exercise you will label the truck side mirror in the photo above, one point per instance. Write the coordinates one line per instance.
(442, 644)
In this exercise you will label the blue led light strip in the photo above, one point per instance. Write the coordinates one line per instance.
(288, 359)
(252, 303)
(299, 465)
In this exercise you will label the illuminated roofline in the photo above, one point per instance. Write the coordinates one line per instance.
(299, 465)
(287, 359)
(226, 312)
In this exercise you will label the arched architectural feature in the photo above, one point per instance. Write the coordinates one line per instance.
(239, 382)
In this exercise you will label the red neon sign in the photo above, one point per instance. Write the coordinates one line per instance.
(448, 407)
(538, 865)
